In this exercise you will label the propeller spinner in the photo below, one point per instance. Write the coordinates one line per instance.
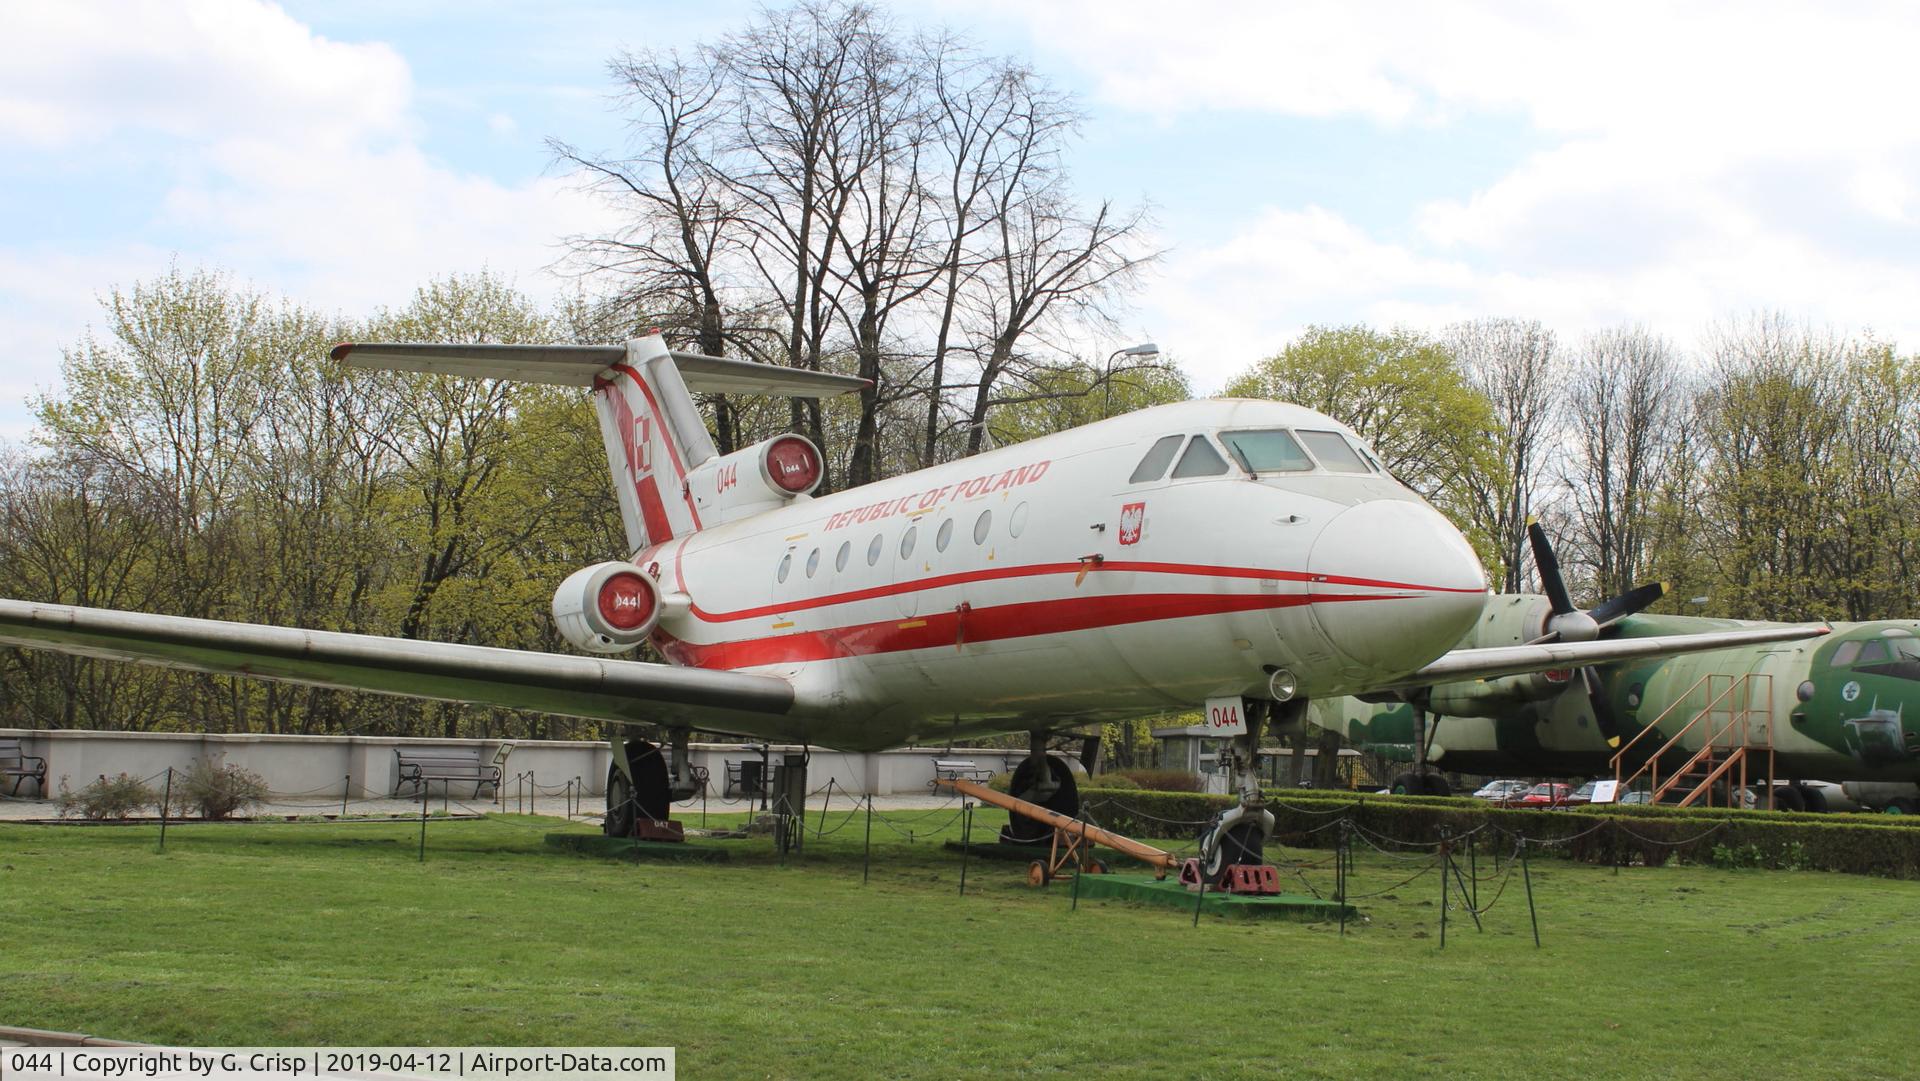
(1565, 623)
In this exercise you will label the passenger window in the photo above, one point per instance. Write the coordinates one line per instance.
(945, 535)
(1334, 452)
(1872, 653)
(786, 564)
(1270, 451)
(906, 541)
(1017, 523)
(1845, 654)
(1154, 465)
(873, 550)
(982, 526)
(840, 558)
(813, 562)
(1200, 460)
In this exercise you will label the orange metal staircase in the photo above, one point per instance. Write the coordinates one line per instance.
(1735, 729)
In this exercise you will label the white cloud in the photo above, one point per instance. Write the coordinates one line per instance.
(1695, 159)
(286, 158)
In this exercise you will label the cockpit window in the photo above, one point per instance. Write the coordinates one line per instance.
(1200, 460)
(1154, 465)
(1844, 654)
(1871, 653)
(1334, 452)
(1269, 451)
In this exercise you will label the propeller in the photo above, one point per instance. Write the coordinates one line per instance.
(1565, 623)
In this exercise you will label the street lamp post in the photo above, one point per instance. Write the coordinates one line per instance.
(1144, 349)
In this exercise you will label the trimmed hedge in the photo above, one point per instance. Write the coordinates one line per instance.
(1647, 835)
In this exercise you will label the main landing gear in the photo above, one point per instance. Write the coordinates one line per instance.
(642, 786)
(1043, 779)
(1423, 781)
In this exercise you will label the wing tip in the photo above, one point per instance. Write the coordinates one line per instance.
(339, 352)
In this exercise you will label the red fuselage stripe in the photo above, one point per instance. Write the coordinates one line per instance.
(941, 581)
(955, 628)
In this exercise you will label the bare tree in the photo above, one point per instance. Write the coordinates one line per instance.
(1511, 363)
(1625, 399)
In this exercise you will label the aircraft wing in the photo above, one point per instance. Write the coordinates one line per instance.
(608, 690)
(1461, 665)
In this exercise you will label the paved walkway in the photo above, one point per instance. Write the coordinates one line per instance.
(556, 806)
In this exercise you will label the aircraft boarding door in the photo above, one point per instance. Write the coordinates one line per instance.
(907, 551)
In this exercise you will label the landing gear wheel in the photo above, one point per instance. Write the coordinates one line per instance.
(1903, 806)
(1098, 867)
(1021, 830)
(1037, 873)
(620, 817)
(645, 796)
(1788, 797)
(1241, 843)
(1816, 800)
(1414, 784)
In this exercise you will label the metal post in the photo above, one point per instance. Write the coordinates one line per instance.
(820, 830)
(1473, 861)
(165, 799)
(1446, 861)
(533, 794)
(423, 822)
(1526, 876)
(1472, 908)
(866, 859)
(346, 789)
(966, 835)
(1201, 874)
(1340, 872)
(1080, 865)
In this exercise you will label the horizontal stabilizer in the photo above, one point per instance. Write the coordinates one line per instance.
(580, 365)
(610, 690)
(560, 365)
(1467, 664)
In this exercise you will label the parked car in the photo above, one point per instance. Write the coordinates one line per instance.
(1547, 794)
(1637, 796)
(1501, 790)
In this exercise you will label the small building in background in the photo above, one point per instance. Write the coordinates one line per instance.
(1192, 749)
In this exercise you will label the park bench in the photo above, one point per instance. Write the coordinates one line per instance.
(17, 765)
(422, 768)
(961, 769)
(747, 777)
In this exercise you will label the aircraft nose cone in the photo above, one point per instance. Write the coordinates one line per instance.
(1394, 584)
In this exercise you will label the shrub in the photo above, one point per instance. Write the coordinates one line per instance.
(1651, 836)
(106, 799)
(1146, 780)
(218, 790)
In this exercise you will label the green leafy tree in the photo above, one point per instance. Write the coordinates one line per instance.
(1405, 394)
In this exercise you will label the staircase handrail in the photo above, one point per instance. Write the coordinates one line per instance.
(1619, 757)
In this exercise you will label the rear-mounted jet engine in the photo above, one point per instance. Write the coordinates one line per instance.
(606, 608)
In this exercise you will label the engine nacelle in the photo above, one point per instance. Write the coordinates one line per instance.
(607, 608)
(755, 479)
(1506, 621)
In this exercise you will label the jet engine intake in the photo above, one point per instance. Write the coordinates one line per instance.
(606, 608)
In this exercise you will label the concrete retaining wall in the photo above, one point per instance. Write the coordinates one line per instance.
(361, 767)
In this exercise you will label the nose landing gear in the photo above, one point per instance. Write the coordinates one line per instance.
(1238, 836)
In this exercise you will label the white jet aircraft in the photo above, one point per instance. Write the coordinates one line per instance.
(1247, 554)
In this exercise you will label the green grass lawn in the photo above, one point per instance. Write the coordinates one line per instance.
(334, 934)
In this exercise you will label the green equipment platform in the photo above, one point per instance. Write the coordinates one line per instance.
(1290, 906)
(627, 848)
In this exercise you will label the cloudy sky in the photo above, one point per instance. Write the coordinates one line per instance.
(1307, 162)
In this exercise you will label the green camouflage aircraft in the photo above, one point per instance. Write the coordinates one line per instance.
(1831, 708)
